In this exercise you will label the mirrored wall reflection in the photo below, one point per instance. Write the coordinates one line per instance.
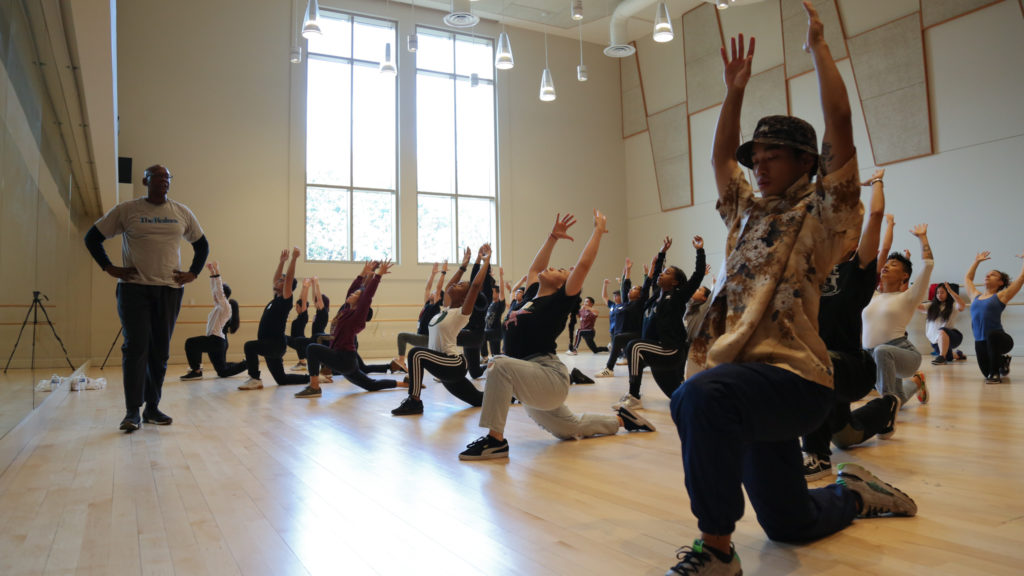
(45, 283)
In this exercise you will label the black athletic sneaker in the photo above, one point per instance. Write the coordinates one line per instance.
(578, 377)
(309, 392)
(131, 422)
(816, 468)
(634, 422)
(993, 379)
(155, 416)
(1004, 369)
(193, 375)
(698, 561)
(485, 448)
(408, 407)
(890, 427)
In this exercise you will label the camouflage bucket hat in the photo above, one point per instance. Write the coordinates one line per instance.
(779, 131)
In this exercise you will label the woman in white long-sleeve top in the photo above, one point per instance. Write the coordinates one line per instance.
(223, 319)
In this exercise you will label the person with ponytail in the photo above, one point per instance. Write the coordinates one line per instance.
(940, 326)
(223, 320)
(991, 343)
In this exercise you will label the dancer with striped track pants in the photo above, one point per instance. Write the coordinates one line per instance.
(441, 356)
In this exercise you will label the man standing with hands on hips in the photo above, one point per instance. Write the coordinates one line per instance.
(150, 284)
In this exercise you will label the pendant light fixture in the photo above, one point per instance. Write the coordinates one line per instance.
(581, 70)
(547, 85)
(413, 41)
(387, 66)
(663, 24)
(296, 53)
(503, 59)
(576, 10)
(311, 23)
(722, 4)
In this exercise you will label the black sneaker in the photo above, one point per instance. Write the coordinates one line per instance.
(634, 422)
(408, 407)
(993, 379)
(697, 560)
(878, 498)
(131, 422)
(155, 416)
(1004, 369)
(578, 377)
(816, 468)
(309, 392)
(890, 427)
(193, 375)
(938, 360)
(485, 448)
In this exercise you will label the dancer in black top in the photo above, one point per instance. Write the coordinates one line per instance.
(432, 300)
(297, 339)
(630, 321)
(472, 336)
(270, 339)
(663, 344)
(492, 321)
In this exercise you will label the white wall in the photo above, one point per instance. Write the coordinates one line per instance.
(968, 191)
(210, 93)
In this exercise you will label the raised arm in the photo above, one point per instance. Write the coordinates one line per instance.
(837, 143)
(883, 251)
(483, 257)
(559, 231)
(574, 284)
(286, 290)
(280, 268)
(462, 269)
(440, 278)
(920, 287)
(1007, 294)
(727, 134)
(604, 290)
(700, 268)
(519, 284)
(626, 284)
(430, 282)
(303, 304)
(501, 284)
(868, 248)
(956, 297)
(216, 284)
(972, 291)
(318, 298)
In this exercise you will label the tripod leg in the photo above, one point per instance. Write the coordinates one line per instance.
(118, 335)
(16, 342)
(55, 335)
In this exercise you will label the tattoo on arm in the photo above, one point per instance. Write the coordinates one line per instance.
(827, 157)
(926, 251)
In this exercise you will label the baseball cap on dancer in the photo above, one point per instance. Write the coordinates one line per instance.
(779, 131)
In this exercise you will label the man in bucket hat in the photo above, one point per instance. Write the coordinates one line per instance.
(758, 373)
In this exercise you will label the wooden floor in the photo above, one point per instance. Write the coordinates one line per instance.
(263, 483)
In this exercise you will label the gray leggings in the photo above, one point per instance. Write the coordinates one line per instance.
(411, 339)
(541, 384)
(895, 360)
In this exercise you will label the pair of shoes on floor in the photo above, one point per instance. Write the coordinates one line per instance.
(192, 375)
(299, 367)
(878, 498)
(410, 406)
(993, 379)
(606, 373)
(816, 468)
(628, 401)
(701, 559)
(252, 384)
(894, 408)
(578, 377)
(922, 386)
(309, 392)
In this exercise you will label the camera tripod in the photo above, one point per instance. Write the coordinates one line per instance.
(33, 310)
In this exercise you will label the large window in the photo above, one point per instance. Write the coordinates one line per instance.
(351, 142)
(455, 149)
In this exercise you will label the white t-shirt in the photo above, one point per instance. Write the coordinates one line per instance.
(152, 235)
(444, 330)
(887, 315)
(932, 327)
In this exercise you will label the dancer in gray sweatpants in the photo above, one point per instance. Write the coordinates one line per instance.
(531, 371)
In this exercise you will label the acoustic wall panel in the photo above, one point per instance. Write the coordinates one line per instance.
(703, 44)
(670, 147)
(859, 16)
(936, 11)
(660, 66)
(889, 66)
(794, 33)
(763, 21)
(634, 116)
(765, 96)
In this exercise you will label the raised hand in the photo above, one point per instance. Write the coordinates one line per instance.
(367, 267)
(982, 256)
(815, 28)
(561, 228)
(921, 230)
(600, 222)
(296, 252)
(698, 242)
(737, 67)
(629, 264)
(433, 270)
(211, 268)
(707, 271)
(876, 176)
(890, 220)
(466, 255)
(307, 282)
(484, 253)
(284, 255)
(444, 265)
(385, 266)
(906, 254)
(666, 244)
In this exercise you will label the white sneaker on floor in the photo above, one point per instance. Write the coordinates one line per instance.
(252, 384)
(621, 362)
(606, 373)
(300, 367)
(628, 401)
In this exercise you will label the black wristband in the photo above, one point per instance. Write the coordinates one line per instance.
(463, 268)
(214, 275)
